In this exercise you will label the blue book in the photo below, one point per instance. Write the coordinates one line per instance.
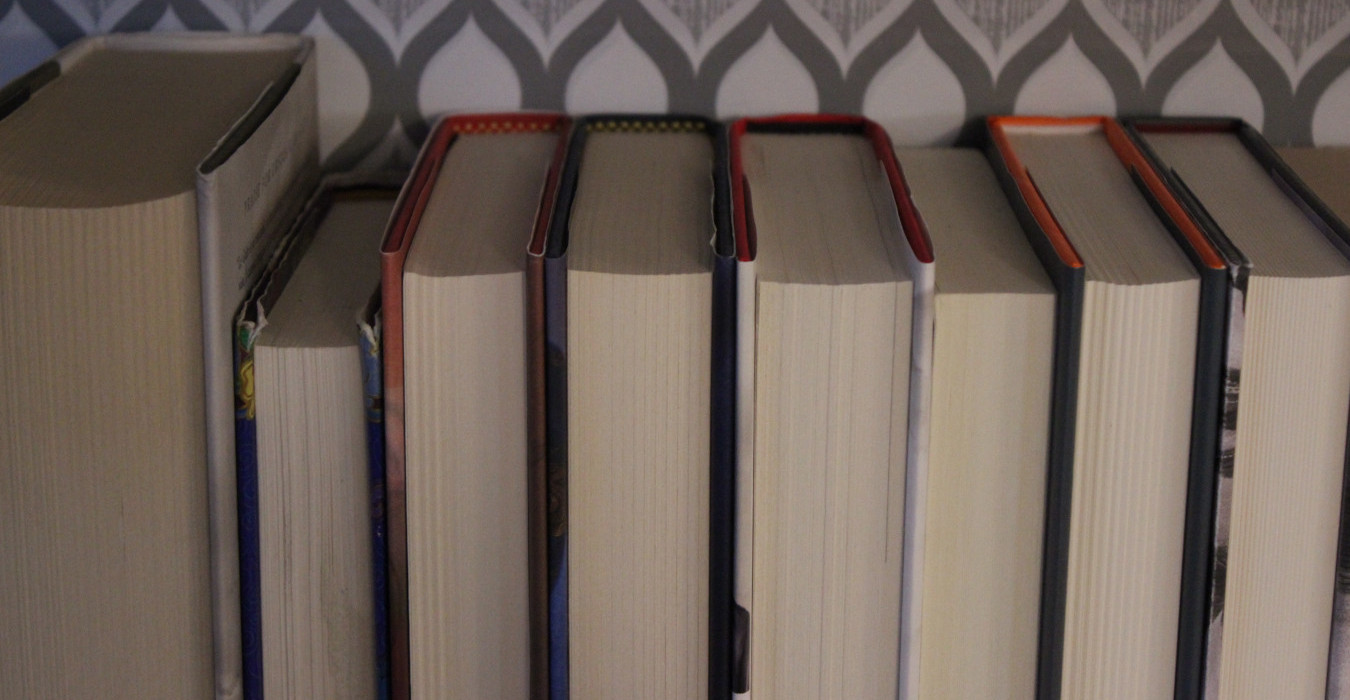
(310, 452)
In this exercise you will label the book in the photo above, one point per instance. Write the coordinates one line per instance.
(1200, 642)
(1146, 401)
(1324, 171)
(456, 370)
(1272, 616)
(128, 165)
(302, 446)
(993, 351)
(835, 335)
(630, 282)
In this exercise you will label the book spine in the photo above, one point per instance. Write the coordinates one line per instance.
(372, 388)
(555, 329)
(250, 557)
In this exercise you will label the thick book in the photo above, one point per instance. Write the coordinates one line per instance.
(1279, 498)
(835, 323)
(1124, 518)
(993, 352)
(307, 473)
(464, 618)
(125, 161)
(1325, 172)
(1200, 641)
(639, 539)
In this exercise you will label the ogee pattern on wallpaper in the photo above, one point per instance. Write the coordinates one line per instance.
(924, 68)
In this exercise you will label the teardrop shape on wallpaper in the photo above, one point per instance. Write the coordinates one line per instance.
(468, 74)
(917, 97)
(1148, 34)
(1330, 127)
(1296, 34)
(344, 87)
(92, 16)
(846, 27)
(616, 76)
(1215, 86)
(766, 79)
(169, 22)
(698, 27)
(1067, 84)
(25, 44)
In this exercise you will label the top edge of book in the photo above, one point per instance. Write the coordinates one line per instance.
(483, 206)
(258, 314)
(1098, 201)
(983, 249)
(1238, 187)
(127, 118)
(912, 226)
(643, 204)
(720, 234)
(821, 210)
(336, 273)
(412, 200)
(1326, 172)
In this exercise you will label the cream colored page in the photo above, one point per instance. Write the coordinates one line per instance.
(103, 520)
(638, 407)
(1131, 460)
(986, 494)
(829, 490)
(464, 354)
(314, 523)
(1286, 488)
(639, 300)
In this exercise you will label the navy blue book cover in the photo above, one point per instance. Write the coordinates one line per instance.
(373, 389)
(722, 460)
(722, 457)
(248, 323)
(246, 464)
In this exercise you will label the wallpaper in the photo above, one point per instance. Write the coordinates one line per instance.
(923, 68)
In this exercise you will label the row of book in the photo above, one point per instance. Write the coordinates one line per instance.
(658, 406)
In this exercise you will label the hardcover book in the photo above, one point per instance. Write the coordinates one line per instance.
(638, 462)
(309, 479)
(1324, 172)
(136, 172)
(1146, 423)
(1279, 492)
(992, 367)
(464, 613)
(834, 317)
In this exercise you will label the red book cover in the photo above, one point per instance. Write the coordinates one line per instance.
(408, 212)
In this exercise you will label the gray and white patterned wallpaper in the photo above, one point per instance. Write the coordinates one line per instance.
(923, 68)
